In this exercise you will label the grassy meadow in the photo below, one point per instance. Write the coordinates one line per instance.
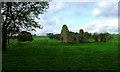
(50, 54)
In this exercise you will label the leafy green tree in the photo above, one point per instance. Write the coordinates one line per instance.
(50, 35)
(25, 36)
(12, 30)
(21, 15)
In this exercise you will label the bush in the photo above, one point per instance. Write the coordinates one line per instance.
(25, 36)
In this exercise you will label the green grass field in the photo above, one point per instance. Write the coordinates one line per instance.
(54, 55)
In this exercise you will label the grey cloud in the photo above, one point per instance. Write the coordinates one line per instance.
(106, 9)
(107, 25)
(109, 29)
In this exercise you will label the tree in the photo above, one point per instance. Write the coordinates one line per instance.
(25, 36)
(13, 29)
(21, 15)
(50, 35)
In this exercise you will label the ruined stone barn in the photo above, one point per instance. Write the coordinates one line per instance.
(74, 37)
(82, 36)
(64, 36)
(70, 37)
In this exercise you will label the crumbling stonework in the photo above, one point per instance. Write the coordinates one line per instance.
(96, 37)
(71, 37)
(64, 34)
(104, 37)
(82, 36)
(67, 36)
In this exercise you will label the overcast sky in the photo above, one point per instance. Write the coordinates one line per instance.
(99, 16)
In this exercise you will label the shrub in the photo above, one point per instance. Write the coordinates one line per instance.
(25, 36)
